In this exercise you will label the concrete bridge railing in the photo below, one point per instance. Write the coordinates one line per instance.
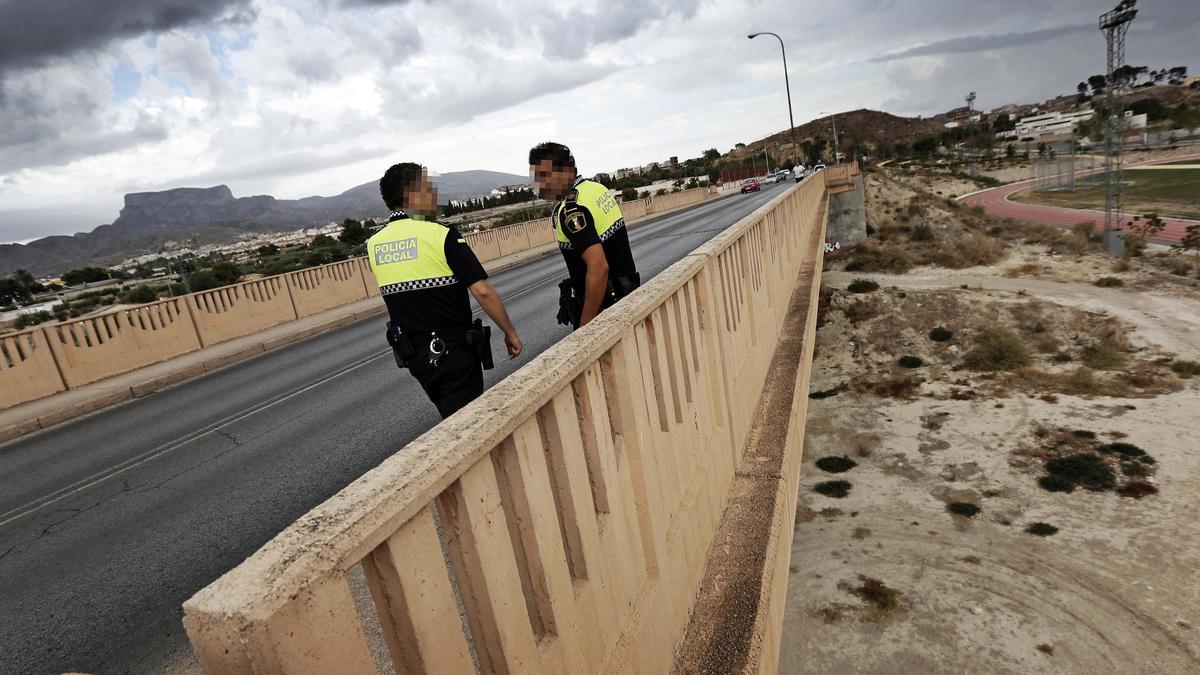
(55, 357)
(559, 523)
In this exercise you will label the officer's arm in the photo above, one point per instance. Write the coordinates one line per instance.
(596, 284)
(487, 297)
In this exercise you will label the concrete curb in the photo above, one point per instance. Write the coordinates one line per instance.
(156, 384)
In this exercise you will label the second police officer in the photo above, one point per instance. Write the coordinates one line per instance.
(591, 235)
(425, 270)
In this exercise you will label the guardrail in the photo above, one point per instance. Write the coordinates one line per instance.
(840, 174)
(560, 522)
(85, 350)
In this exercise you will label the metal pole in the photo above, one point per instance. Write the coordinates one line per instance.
(787, 85)
(833, 116)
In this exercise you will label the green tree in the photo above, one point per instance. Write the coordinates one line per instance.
(138, 295)
(925, 146)
(1010, 151)
(712, 154)
(226, 272)
(85, 275)
(629, 194)
(1097, 83)
(203, 280)
(353, 232)
(266, 251)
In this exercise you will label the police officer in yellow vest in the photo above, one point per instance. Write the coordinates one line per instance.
(591, 236)
(424, 270)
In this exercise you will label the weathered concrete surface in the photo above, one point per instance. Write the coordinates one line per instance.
(848, 215)
(579, 495)
(736, 620)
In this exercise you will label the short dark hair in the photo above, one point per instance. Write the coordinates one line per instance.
(400, 179)
(558, 154)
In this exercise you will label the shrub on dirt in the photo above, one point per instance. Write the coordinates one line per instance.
(921, 232)
(1137, 489)
(1102, 357)
(833, 488)
(1071, 244)
(904, 387)
(1135, 469)
(824, 394)
(978, 249)
(836, 464)
(1108, 282)
(883, 602)
(997, 348)
(1122, 448)
(1186, 369)
(1041, 529)
(940, 334)
(910, 362)
(868, 256)
(1089, 232)
(1052, 483)
(862, 286)
(966, 509)
(1083, 469)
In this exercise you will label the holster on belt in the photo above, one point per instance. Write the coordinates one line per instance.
(402, 348)
(622, 286)
(479, 338)
(570, 306)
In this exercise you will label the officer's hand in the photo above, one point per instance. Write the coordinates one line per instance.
(514, 345)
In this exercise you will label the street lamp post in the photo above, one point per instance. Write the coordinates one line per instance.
(786, 84)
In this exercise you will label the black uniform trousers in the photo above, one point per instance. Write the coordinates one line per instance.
(454, 382)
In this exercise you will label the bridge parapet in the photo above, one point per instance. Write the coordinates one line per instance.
(575, 500)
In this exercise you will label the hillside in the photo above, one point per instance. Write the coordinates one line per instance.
(863, 126)
(197, 216)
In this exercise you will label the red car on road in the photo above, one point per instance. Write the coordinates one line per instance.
(750, 185)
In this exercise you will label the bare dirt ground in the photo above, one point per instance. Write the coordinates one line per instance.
(1042, 372)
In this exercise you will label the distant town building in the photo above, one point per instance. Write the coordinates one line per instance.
(958, 114)
(1047, 124)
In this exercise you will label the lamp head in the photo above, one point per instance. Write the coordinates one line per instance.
(753, 35)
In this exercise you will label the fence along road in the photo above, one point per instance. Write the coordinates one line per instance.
(577, 498)
(94, 581)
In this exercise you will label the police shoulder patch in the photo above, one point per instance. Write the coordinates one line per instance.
(571, 197)
(575, 222)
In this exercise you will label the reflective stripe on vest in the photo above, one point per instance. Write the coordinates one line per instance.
(595, 198)
(408, 255)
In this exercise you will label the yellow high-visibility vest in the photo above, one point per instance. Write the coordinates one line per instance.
(604, 209)
(408, 255)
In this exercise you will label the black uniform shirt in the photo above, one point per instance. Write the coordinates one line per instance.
(445, 309)
(580, 230)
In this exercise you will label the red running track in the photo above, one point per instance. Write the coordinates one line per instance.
(995, 201)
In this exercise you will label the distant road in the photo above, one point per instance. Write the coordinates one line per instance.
(95, 583)
(996, 202)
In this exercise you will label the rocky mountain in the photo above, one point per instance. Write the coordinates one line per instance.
(197, 216)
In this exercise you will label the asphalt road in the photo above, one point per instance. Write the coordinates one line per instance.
(997, 202)
(108, 523)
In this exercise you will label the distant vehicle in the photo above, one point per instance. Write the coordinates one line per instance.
(771, 178)
(818, 166)
(751, 185)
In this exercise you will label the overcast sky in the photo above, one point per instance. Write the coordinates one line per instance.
(302, 97)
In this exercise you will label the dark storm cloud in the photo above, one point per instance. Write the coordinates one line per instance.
(570, 34)
(983, 43)
(34, 31)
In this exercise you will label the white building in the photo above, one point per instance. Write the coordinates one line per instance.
(1036, 126)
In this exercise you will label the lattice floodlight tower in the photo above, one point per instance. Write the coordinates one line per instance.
(1114, 25)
